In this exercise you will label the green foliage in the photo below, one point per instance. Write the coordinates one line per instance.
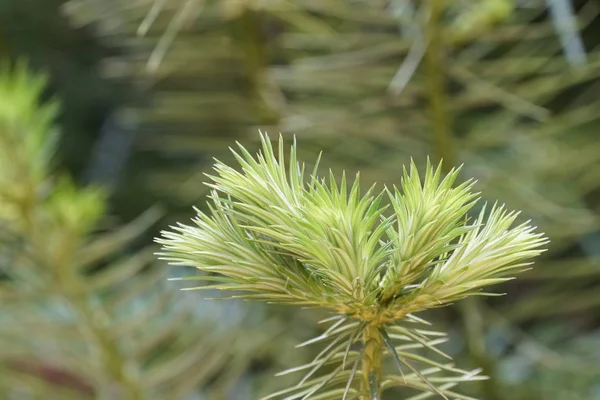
(27, 141)
(85, 314)
(325, 245)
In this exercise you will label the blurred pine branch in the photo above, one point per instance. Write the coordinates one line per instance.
(85, 311)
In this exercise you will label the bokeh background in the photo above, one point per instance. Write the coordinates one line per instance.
(152, 90)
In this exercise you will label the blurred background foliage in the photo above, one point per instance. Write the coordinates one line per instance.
(152, 90)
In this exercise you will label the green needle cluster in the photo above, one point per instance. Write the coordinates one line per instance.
(279, 234)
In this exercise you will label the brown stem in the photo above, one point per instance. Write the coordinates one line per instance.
(253, 44)
(444, 149)
(436, 86)
(371, 364)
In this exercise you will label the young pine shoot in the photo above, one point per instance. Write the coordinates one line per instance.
(278, 234)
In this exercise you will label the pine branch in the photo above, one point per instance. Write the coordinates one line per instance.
(285, 238)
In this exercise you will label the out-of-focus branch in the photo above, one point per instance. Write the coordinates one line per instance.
(436, 85)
